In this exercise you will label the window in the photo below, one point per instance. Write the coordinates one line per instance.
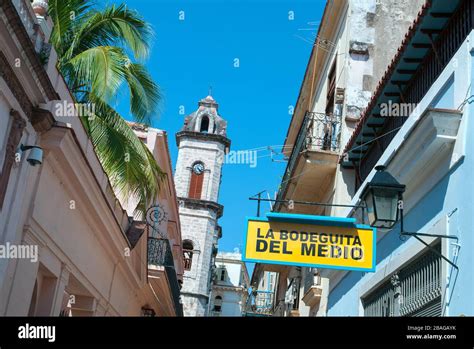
(197, 179)
(222, 277)
(331, 90)
(414, 290)
(218, 304)
(294, 288)
(4, 121)
(329, 127)
(188, 249)
(195, 188)
(204, 124)
(10, 142)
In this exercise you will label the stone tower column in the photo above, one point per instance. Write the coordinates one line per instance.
(202, 145)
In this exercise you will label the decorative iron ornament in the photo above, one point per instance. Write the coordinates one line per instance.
(155, 217)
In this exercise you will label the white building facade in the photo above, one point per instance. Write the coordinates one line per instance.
(230, 286)
(85, 256)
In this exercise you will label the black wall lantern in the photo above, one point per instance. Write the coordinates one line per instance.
(383, 202)
(381, 197)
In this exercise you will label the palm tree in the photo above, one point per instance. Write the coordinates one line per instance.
(93, 46)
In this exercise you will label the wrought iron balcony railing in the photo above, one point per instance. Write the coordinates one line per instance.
(260, 303)
(159, 252)
(321, 132)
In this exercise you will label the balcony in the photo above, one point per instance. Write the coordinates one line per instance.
(260, 303)
(35, 25)
(313, 289)
(162, 276)
(159, 253)
(312, 297)
(313, 161)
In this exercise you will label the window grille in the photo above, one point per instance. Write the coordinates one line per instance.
(414, 290)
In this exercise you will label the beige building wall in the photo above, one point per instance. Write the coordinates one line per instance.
(65, 207)
(157, 141)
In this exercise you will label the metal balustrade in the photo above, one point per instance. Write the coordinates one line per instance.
(322, 132)
(33, 28)
(260, 303)
(159, 252)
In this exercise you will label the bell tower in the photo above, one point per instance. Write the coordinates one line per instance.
(202, 145)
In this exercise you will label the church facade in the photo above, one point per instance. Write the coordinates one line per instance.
(202, 145)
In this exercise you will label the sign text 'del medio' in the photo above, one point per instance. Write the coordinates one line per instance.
(331, 246)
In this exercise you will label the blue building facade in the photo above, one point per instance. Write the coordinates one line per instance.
(426, 143)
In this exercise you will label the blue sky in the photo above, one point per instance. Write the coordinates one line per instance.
(188, 56)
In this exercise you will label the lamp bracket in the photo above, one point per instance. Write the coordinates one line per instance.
(404, 234)
(28, 147)
(417, 236)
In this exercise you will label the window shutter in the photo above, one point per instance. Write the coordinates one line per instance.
(195, 188)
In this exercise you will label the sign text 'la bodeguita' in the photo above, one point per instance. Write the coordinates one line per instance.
(310, 241)
(330, 245)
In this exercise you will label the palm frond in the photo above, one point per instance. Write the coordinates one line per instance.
(91, 46)
(65, 15)
(144, 93)
(101, 67)
(133, 169)
(113, 26)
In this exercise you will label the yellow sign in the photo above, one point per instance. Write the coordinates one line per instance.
(311, 241)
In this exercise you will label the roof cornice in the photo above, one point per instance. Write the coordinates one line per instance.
(203, 136)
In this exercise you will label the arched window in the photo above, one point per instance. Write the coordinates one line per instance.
(197, 179)
(188, 249)
(218, 303)
(205, 124)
